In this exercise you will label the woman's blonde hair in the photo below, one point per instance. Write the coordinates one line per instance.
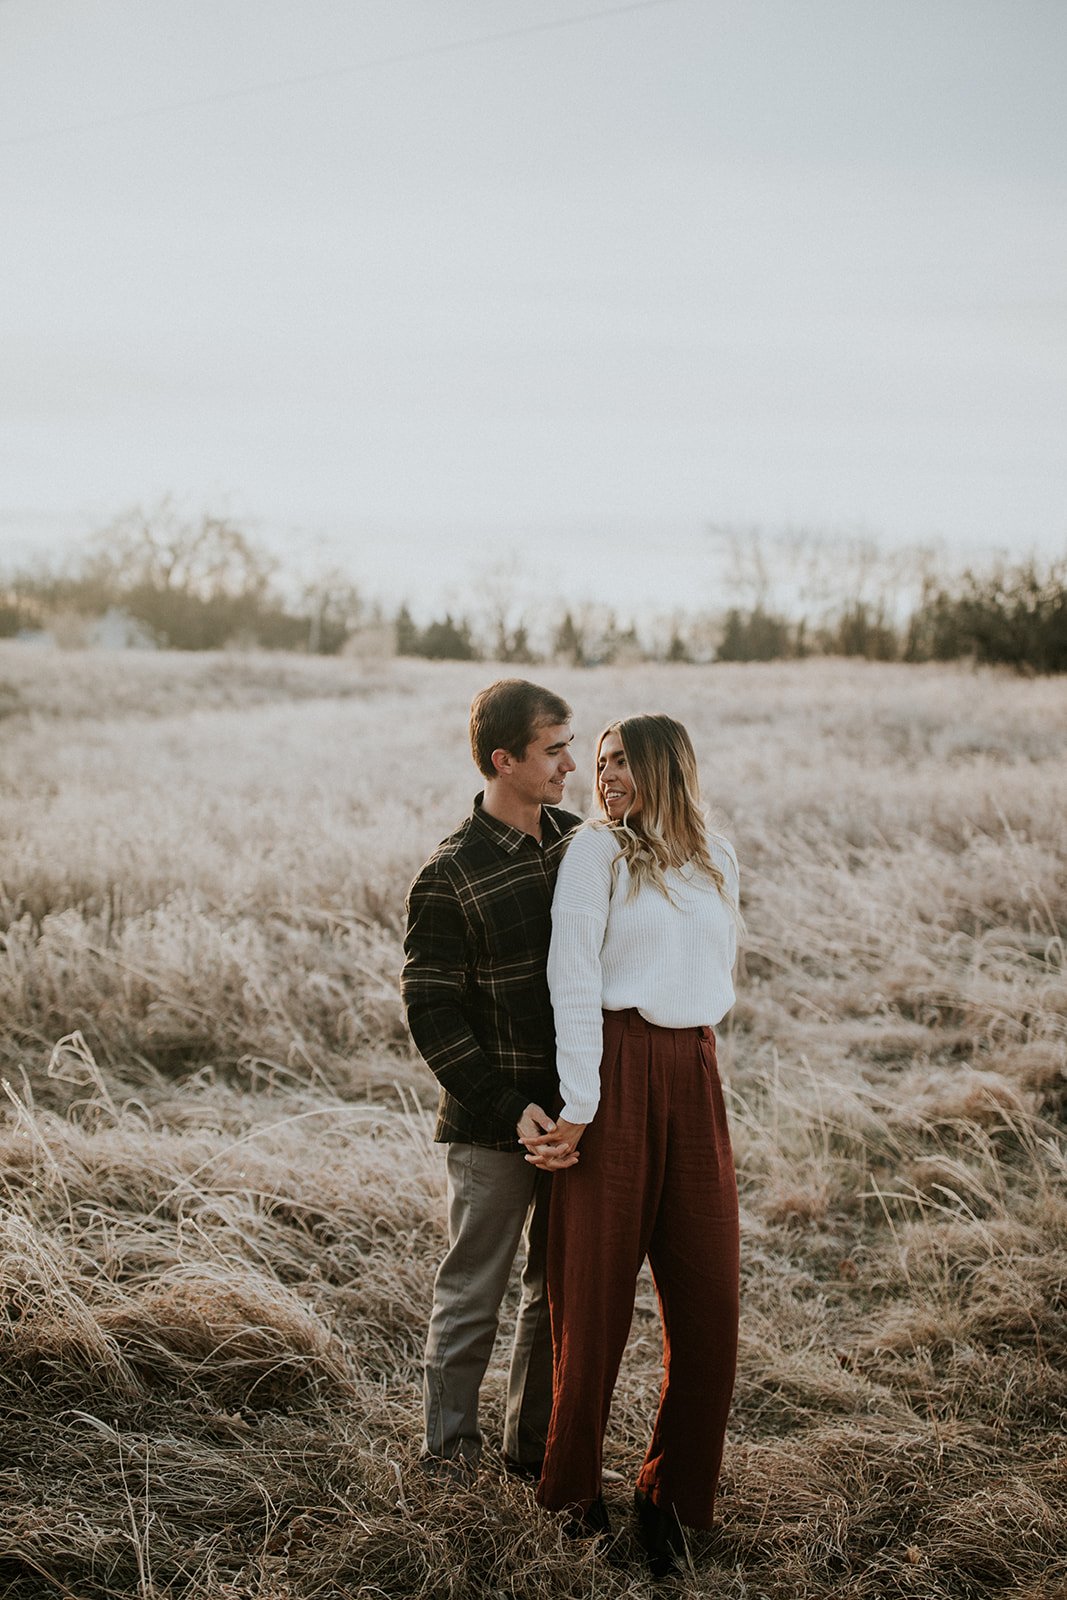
(670, 828)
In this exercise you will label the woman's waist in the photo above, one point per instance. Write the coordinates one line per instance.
(633, 1019)
(665, 1006)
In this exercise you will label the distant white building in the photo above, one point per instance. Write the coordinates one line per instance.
(115, 630)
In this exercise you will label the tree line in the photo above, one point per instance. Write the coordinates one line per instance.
(1014, 616)
(205, 584)
(189, 584)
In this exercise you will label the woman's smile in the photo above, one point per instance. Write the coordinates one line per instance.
(618, 792)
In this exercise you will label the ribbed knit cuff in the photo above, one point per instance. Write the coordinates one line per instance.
(579, 1110)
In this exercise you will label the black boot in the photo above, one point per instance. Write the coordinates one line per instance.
(591, 1524)
(529, 1470)
(659, 1534)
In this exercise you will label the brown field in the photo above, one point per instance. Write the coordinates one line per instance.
(221, 1208)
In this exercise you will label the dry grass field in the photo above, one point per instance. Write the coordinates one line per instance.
(221, 1208)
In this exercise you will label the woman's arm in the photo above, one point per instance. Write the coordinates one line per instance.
(579, 920)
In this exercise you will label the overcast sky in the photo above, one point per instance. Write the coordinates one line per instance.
(404, 292)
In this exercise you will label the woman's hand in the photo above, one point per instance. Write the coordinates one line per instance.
(555, 1150)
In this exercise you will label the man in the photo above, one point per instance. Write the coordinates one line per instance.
(478, 1008)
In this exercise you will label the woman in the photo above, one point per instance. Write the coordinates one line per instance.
(643, 941)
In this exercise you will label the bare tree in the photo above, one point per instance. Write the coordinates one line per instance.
(746, 572)
(160, 548)
(334, 608)
(501, 619)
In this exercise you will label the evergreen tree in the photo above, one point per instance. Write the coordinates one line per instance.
(407, 634)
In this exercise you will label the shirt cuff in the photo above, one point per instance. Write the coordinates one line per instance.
(511, 1105)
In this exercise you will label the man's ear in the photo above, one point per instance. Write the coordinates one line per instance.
(502, 762)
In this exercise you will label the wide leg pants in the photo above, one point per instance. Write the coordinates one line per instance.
(655, 1177)
(495, 1200)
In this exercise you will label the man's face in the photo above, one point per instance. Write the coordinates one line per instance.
(539, 777)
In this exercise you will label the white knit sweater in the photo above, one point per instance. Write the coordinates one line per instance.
(610, 951)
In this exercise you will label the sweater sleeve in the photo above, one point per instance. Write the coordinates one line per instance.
(575, 981)
(732, 874)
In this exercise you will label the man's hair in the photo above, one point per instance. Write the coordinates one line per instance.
(507, 715)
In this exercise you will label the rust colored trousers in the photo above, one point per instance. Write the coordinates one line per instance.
(655, 1177)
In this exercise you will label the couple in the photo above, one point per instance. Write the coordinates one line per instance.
(561, 980)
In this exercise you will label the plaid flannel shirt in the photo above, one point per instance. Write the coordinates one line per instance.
(474, 984)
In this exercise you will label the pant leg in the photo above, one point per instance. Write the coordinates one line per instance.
(601, 1217)
(529, 1403)
(489, 1197)
(694, 1258)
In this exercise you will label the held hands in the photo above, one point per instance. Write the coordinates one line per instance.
(549, 1145)
(534, 1124)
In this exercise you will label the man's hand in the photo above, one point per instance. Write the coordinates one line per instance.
(557, 1148)
(534, 1124)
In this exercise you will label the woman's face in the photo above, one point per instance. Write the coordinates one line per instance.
(618, 793)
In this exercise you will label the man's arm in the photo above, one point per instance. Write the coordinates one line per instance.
(437, 956)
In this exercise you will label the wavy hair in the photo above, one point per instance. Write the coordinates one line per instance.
(670, 829)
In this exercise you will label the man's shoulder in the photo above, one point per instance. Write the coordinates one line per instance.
(564, 821)
(462, 844)
(469, 850)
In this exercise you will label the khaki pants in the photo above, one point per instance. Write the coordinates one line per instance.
(495, 1200)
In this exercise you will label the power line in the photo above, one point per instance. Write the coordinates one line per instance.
(400, 58)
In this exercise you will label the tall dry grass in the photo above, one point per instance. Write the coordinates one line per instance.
(221, 1209)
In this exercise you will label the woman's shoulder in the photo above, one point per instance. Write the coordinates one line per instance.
(591, 850)
(723, 853)
(584, 883)
(593, 841)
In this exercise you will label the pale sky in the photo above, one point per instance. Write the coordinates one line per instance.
(417, 284)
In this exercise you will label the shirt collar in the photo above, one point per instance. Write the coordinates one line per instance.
(512, 839)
